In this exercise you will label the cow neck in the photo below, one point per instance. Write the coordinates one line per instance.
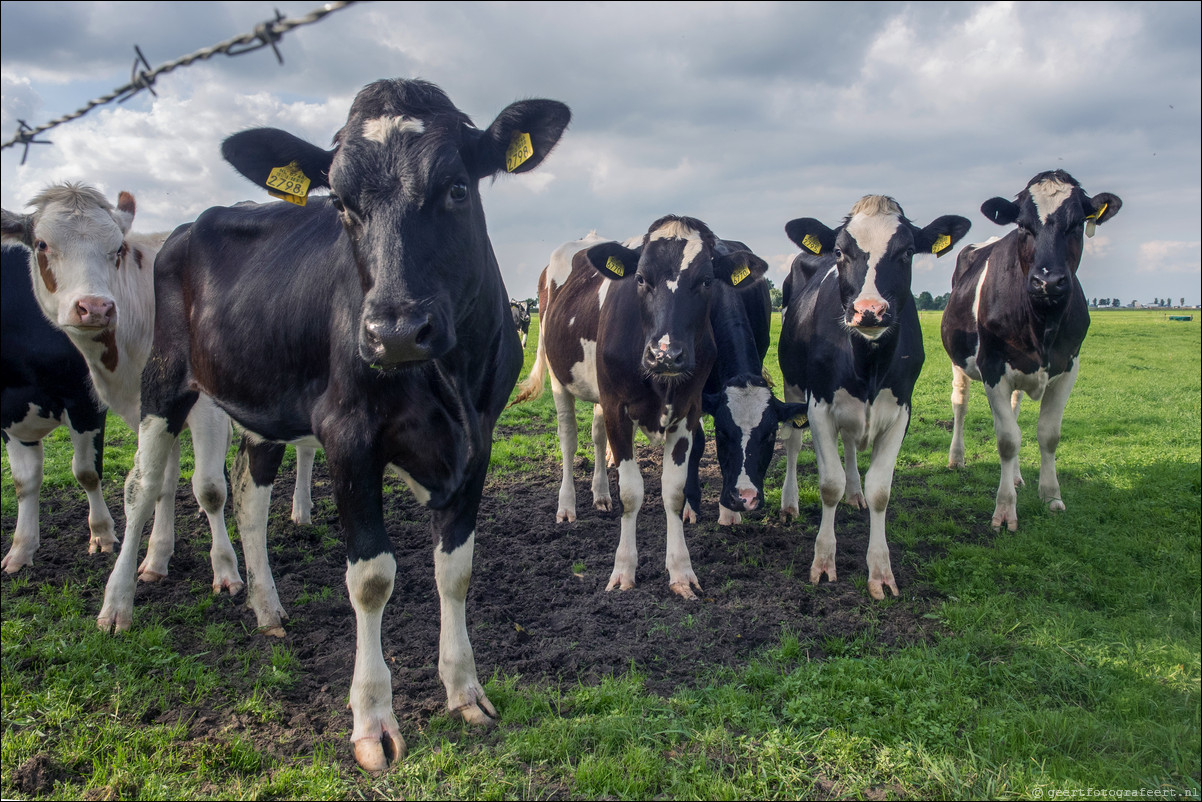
(737, 354)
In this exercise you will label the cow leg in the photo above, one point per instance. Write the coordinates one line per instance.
(630, 491)
(601, 498)
(25, 461)
(565, 416)
(255, 469)
(790, 507)
(853, 494)
(1016, 401)
(831, 481)
(88, 467)
(677, 444)
(692, 485)
(142, 488)
(1009, 438)
(1051, 414)
(302, 494)
(162, 531)
(960, 385)
(879, 484)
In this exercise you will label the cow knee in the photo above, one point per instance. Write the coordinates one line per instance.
(211, 496)
(878, 499)
(832, 489)
(1007, 445)
(369, 582)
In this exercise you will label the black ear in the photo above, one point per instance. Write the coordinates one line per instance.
(811, 235)
(738, 268)
(611, 259)
(17, 229)
(1105, 206)
(794, 414)
(1000, 211)
(279, 161)
(940, 236)
(520, 138)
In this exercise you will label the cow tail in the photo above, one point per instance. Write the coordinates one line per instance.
(535, 383)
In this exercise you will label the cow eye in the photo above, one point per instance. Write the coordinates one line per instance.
(638, 278)
(337, 201)
(458, 192)
(838, 253)
(41, 246)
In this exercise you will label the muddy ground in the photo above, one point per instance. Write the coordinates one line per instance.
(537, 605)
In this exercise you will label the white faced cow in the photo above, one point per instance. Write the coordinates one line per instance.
(403, 353)
(851, 346)
(44, 384)
(626, 327)
(1016, 319)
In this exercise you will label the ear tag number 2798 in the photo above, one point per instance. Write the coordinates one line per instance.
(288, 183)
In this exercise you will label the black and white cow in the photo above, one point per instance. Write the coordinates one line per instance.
(44, 384)
(521, 319)
(738, 397)
(851, 347)
(1016, 319)
(402, 354)
(626, 327)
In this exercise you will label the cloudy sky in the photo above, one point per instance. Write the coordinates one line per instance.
(745, 115)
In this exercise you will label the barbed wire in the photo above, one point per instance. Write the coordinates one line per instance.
(143, 77)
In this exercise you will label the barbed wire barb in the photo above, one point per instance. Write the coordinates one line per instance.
(266, 34)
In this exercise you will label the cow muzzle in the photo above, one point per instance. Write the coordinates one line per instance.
(93, 312)
(1048, 286)
(665, 360)
(387, 342)
(742, 500)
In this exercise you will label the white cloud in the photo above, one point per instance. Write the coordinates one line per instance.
(1167, 256)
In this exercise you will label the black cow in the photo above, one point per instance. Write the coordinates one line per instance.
(626, 327)
(44, 384)
(851, 347)
(737, 395)
(1016, 319)
(521, 319)
(373, 321)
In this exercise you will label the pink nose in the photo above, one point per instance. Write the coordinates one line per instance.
(750, 499)
(95, 311)
(869, 311)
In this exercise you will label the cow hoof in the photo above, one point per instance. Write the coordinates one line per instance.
(111, 623)
(565, 516)
(821, 567)
(302, 519)
(479, 714)
(15, 562)
(876, 587)
(1055, 505)
(684, 588)
(856, 501)
(728, 517)
(276, 631)
(233, 586)
(619, 581)
(955, 464)
(150, 576)
(603, 504)
(102, 545)
(375, 754)
(788, 514)
(688, 515)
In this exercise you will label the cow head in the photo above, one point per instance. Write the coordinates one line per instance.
(78, 244)
(674, 267)
(404, 178)
(1052, 213)
(873, 251)
(746, 416)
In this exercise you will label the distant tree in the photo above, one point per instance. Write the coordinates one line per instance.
(924, 301)
(941, 301)
(777, 297)
(1183, 301)
(532, 305)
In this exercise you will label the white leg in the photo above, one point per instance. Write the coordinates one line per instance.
(790, 507)
(831, 481)
(1051, 414)
(879, 484)
(681, 578)
(162, 533)
(456, 662)
(601, 498)
(211, 433)
(1016, 401)
(302, 494)
(1009, 438)
(565, 416)
(83, 466)
(960, 385)
(727, 517)
(142, 488)
(376, 738)
(251, 506)
(26, 464)
(630, 491)
(853, 494)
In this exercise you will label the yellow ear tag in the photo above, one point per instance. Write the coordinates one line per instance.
(812, 244)
(614, 266)
(288, 183)
(800, 421)
(520, 150)
(1092, 225)
(739, 273)
(941, 244)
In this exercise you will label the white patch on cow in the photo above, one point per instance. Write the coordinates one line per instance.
(419, 492)
(1048, 196)
(747, 407)
(582, 377)
(560, 265)
(675, 229)
(456, 663)
(571, 321)
(665, 343)
(378, 128)
(602, 291)
(369, 584)
(976, 298)
(872, 233)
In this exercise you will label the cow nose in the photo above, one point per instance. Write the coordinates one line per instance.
(1047, 284)
(750, 498)
(664, 359)
(95, 311)
(867, 311)
(395, 341)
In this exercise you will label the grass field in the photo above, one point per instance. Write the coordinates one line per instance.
(1066, 662)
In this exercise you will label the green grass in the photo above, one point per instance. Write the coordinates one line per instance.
(1067, 656)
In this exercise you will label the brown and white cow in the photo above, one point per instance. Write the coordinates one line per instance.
(94, 281)
(626, 327)
(1016, 319)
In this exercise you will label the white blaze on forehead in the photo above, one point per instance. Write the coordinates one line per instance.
(873, 233)
(675, 229)
(1048, 196)
(377, 129)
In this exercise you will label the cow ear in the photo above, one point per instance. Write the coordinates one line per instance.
(611, 259)
(810, 234)
(739, 268)
(795, 415)
(940, 236)
(1105, 206)
(17, 229)
(124, 214)
(520, 138)
(1000, 211)
(286, 165)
